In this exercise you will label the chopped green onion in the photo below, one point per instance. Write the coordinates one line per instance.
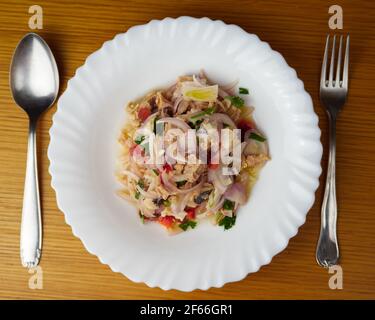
(137, 195)
(243, 90)
(189, 223)
(155, 171)
(236, 101)
(257, 137)
(180, 183)
(228, 205)
(227, 222)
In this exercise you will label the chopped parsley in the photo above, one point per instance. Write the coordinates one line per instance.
(236, 101)
(141, 184)
(257, 137)
(243, 90)
(201, 114)
(189, 223)
(227, 222)
(139, 139)
(228, 205)
(180, 183)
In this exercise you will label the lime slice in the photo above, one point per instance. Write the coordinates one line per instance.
(208, 93)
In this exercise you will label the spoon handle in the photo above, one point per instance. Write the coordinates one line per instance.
(31, 228)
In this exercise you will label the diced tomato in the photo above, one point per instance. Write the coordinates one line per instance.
(144, 113)
(244, 125)
(190, 213)
(213, 166)
(167, 221)
(167, 167)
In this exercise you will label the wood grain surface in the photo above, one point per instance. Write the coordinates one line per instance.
(297, 29)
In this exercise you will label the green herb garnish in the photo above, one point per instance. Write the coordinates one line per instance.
(257, 137)
(228, 205)
(204, 112)
(189, 223)
(227, 222)
(180, 183)
(243, 90)
(139, 139)
(155, 171)
(236, 101)
(141, 183)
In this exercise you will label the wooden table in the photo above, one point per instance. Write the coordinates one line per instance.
(297, 29)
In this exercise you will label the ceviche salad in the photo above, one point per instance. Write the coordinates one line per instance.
(177, 193)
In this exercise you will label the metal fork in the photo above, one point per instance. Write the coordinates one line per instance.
(333, 94)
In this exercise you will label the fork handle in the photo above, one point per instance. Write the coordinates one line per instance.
(327, 253)
(31, 228)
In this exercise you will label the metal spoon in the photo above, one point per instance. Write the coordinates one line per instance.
(34, 81)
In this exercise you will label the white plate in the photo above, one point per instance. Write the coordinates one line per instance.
(83, 152)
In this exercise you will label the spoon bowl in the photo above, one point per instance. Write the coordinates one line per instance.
(34, 78)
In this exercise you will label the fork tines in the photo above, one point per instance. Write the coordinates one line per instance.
(341, 78)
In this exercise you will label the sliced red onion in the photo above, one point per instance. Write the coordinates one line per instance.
(130, 174)
(172, 188)
(230, 86)
(223, 118)
(236, 193)
(253, 147)
(223, 93)
(176, 122)
(181, 204)
(145, 193)
(218, 205)
(199, 80)
(180, 177)
(212, 177)
(220, 176)
(176, 104)
(148, 119)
